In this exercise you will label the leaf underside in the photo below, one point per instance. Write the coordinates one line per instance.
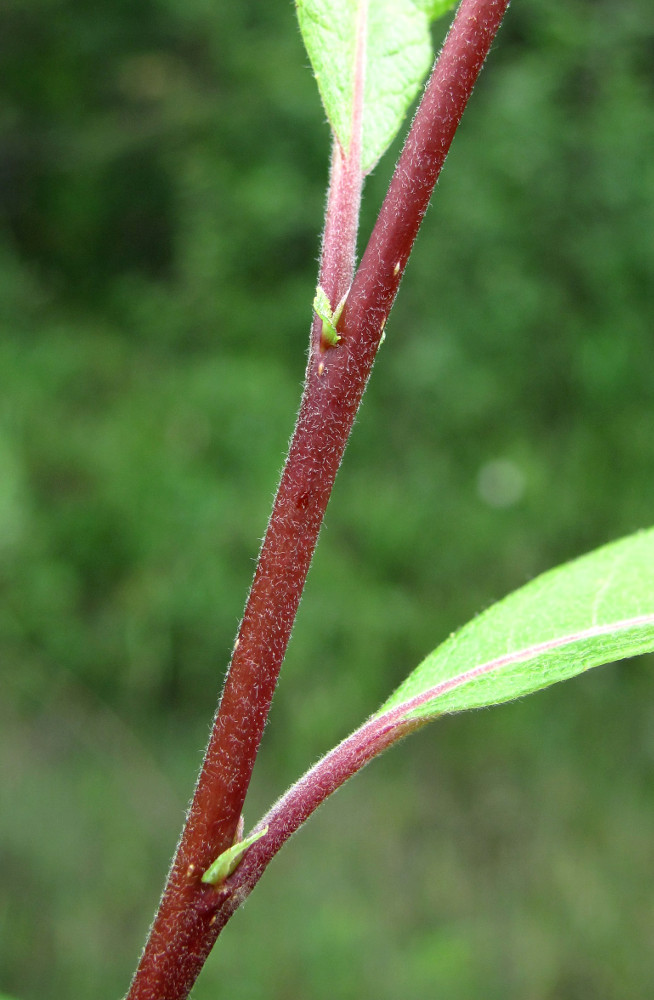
(398, 56)
(595, 610)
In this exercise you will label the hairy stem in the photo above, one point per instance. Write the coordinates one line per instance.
(304, 797)
(186, 923)
(345, 185)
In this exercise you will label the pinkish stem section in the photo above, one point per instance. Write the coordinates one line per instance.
(341, 227)
(338, 258)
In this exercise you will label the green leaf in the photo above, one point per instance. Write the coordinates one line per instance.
(229, 860)
(397, 56)
(323, 309)
(435, 8)
(595, 610)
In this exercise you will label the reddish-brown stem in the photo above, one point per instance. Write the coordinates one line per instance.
(186, 923)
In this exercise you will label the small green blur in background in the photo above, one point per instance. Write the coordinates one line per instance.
(163, 168)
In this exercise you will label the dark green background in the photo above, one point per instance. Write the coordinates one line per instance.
(162, 175)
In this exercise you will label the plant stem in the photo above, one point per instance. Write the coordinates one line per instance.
(182, 935)
(304, 797)
(185, 926)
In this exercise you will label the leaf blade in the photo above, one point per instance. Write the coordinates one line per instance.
(398, 55)
(603, 584)
(592, 611)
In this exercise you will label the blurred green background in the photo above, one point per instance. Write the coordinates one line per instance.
(162, 176)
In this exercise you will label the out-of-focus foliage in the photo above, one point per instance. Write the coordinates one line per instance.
(163, 168)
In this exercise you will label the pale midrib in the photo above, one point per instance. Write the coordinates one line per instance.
(518, 656)
(356, 130)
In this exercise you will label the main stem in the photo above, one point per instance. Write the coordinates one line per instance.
(185, 926)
